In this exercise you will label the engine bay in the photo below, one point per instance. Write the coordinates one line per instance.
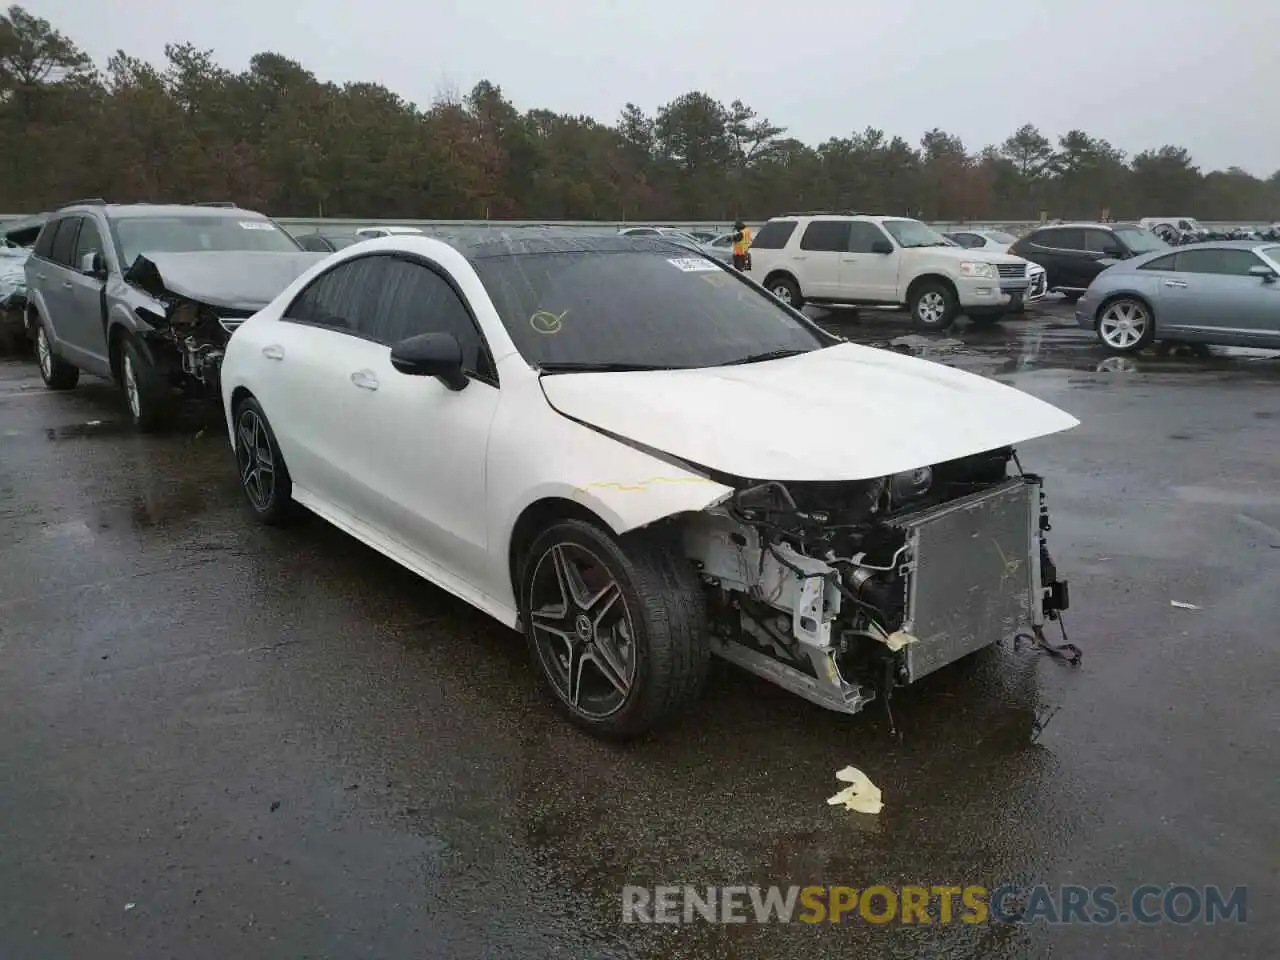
(843, 591)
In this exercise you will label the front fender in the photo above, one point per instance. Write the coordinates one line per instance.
(537, 454)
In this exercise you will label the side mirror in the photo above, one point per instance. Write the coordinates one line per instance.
(431, 355)
(1115, 253)
(881, 246)
(1266, 274)
(93, 265)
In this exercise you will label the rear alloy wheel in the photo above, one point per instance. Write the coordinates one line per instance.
(264, 478)
(618, 633)
(786, 290)
(933, 307)
(1125, 326)
(56, 373)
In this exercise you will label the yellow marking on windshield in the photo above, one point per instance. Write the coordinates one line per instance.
(544, 321)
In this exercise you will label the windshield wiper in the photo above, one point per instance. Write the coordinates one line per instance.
(761, 357)
(592, 366)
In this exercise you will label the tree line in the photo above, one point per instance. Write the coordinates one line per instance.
(276, 138)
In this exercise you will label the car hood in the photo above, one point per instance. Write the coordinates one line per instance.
(846, 412)
(236, 280)
(979, 255)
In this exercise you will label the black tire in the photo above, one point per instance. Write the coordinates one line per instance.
(56, 373)
(269, 496)
(141, 388)
(933, 306)
(786, 290)
(1114, 313)
(656, 595)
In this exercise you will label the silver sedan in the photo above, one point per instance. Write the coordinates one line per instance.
(1219, 292)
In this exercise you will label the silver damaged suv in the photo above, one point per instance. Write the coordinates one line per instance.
(147, 295)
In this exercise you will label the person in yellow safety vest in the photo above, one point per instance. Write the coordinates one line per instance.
(741, 246)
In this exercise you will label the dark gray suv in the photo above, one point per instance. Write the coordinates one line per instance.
(148, 295)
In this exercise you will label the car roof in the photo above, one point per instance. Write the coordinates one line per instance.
(1227, 245)
(123, 211)
(836, 215)
(1091, 224)
(520, 241)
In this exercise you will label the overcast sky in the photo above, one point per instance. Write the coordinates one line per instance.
(1140, 73)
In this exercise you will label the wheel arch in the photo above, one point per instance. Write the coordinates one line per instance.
(117, 333)
(928, 277)
(780, 273)
(536, 517)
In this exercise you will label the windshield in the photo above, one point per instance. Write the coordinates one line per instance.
(1000, 237)
(640, 308)
(135, 235)
(913, 233)
(1140, 240)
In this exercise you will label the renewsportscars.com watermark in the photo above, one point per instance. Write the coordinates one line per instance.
(1066, 904)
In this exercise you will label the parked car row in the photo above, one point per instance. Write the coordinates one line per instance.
(846, 259)
(635, 481)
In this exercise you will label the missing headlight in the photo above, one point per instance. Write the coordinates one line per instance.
(910, 484)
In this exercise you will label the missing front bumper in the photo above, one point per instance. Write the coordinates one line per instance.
(973, 577)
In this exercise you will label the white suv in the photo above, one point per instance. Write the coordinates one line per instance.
(859, 260)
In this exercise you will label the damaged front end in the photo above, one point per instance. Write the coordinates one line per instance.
(198, 299)
(839, 591)
(190, 339)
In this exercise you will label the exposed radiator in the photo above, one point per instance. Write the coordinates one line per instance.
(975, 573)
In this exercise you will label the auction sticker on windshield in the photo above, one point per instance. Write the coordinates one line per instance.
(692, 264)
(255, 225)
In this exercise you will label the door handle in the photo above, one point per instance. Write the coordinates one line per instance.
(273, 352)
(848, 259)
(67, 284)
(1180, 284)
(800, 257)
(41, 276)
(365, 380)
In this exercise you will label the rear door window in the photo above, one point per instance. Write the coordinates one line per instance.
(64, 244)
(774, 235)
(1222, 262)
(344, 298)
(826, 236)
(1067, 238)
(44, 242)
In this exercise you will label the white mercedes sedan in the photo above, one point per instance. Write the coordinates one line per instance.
(637, 457)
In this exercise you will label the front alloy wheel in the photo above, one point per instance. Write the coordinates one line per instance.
(615, 626)
(1126, 326)
(934, 306)
(582, 631)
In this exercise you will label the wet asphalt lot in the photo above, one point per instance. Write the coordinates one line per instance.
(221, 741)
